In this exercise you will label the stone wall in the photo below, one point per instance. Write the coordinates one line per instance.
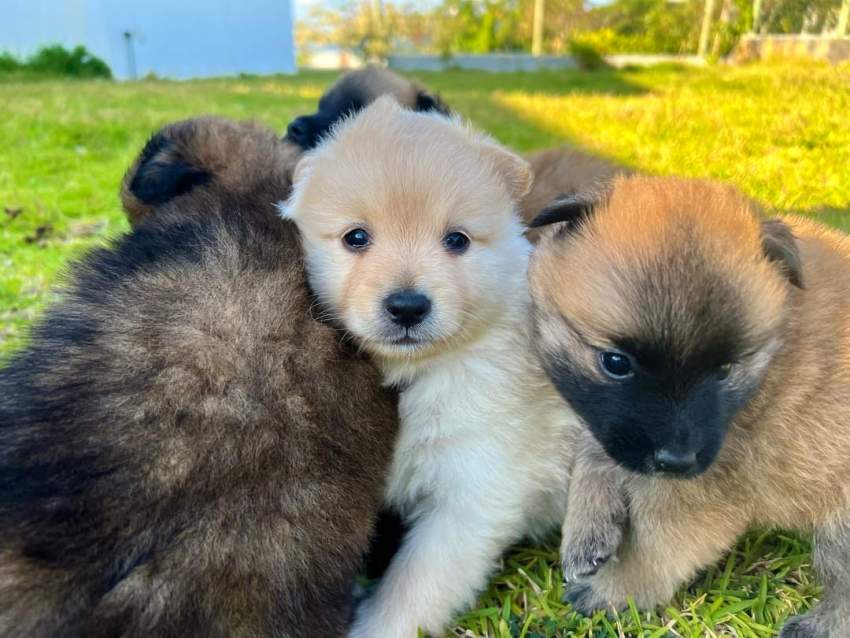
(763, 47)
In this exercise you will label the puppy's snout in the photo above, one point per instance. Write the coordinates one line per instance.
(407, 307)
(300, 132)
(674, 462)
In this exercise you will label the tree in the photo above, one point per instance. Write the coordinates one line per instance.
(794, 16)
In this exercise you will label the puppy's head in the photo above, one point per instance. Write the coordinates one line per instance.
(658, 313)
(205, 160)
(351, 94)
(410, 229)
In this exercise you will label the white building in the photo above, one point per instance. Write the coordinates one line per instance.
(171, 38)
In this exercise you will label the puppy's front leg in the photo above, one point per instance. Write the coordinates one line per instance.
(596, 510)
(444, 562)
(831, 618)
(675, 529)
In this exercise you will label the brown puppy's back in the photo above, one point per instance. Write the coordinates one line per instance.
(184, 449)
(209, 163)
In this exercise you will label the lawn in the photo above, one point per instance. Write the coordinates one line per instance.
(781, 133)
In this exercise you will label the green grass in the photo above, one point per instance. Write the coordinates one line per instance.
(780, 133)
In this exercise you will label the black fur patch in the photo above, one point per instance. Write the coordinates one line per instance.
(568, 210)
(427, 102)
(342, 101)
(386, 541)
(635, 417)
(160, 179)
(332, 109)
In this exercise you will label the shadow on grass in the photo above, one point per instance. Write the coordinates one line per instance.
(564, 82)
(517, 130)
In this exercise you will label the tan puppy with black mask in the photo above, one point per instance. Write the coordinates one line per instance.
(709, 353)
(413, 242)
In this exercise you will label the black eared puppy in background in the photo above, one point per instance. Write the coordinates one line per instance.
(352, 93)
(184, 450)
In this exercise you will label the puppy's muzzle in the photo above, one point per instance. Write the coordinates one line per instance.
(407, 308)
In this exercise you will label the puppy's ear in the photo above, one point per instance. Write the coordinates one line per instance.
(428, 102)
(569, 210)
(301, 173)
(161, 174)
(780, 247)
(302, 169)
(511, 167)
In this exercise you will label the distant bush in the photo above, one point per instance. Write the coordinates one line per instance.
(8, 63)
(56, 60)
(586, 55)
(607, 41)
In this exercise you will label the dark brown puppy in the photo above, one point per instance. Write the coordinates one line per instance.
(708, 351)
(209, 163)
(184, 450)
(352, 93)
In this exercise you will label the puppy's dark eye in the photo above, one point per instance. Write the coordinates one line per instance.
(356, 239)
(456, 242)
(724, 371)
(616, 364)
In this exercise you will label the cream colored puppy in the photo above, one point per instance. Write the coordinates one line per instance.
(413, 242)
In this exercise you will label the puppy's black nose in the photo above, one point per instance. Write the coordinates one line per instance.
(299, 131)
(407, 307)
(675, 462)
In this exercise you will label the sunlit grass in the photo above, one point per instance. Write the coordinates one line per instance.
(780, 133)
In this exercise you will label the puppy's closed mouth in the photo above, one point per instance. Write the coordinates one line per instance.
(406, 340)
(409, 339)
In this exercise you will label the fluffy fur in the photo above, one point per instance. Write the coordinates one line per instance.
(738, 335)
(209, 164)
(352, 93)
(482, 455)
(184, 449)
(558, 172)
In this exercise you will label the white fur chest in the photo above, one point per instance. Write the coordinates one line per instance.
(485, 418)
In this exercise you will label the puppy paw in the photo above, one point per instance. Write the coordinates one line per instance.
(804, 626)
(582, 557)
(579, 596)
(586, 548)
(585, 600)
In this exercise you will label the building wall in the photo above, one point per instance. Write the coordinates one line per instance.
(171, 38)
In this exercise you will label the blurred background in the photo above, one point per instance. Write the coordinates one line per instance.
(404, 33)
(201, 39)
(752, 92)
